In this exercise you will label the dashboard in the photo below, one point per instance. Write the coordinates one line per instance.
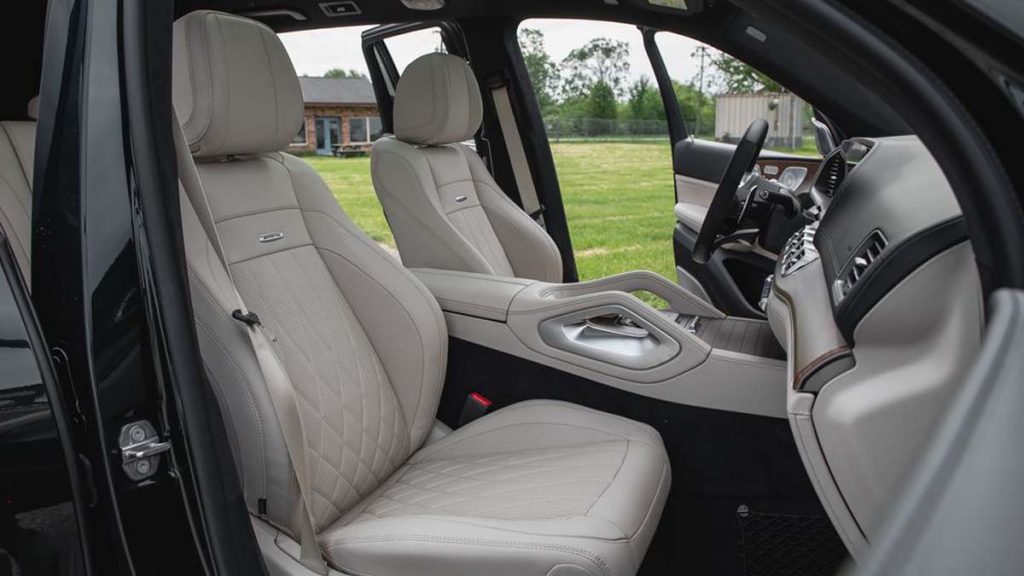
(878, 304)
(888, 211)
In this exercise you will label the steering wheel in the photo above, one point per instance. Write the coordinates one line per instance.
(740, 165)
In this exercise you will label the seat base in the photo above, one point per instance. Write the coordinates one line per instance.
(539, 487)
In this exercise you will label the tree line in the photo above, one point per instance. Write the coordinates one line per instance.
(593, 81)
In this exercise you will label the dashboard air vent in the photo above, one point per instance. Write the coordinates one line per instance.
(799, 251)
(832, 174)
(859, 264)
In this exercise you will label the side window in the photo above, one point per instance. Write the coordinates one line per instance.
(342, 119)
(720, 96)
(606, 123)
(337, 95)
(604, 117)
(407, 47)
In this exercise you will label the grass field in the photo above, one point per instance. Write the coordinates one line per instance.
(618, 199)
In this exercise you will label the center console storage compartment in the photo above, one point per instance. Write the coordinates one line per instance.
(691, 355)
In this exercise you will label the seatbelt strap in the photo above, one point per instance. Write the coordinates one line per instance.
(516, 153)
(279, 385)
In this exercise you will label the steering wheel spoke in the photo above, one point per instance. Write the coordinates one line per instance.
(748, 149)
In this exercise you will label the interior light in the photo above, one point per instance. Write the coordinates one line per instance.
(423, 4)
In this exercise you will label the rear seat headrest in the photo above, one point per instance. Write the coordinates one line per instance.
(437, 101)
(33, 108)
(251, 106)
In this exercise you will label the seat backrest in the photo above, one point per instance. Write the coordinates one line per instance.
(17, 154)
(363, 342)
(444, 208)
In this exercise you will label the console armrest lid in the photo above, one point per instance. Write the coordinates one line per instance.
(479, 295)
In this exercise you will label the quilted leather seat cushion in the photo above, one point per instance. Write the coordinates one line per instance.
(533, 487)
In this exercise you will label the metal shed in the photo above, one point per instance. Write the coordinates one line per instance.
(783, 111)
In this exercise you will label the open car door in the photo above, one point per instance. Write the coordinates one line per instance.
(46, 494)
(733, 277)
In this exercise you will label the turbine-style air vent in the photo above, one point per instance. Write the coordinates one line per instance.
(832, 174)
(859, 264)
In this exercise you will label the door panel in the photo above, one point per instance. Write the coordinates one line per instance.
(701, 159)
(733, 278)
(699, 164)
(694, 191)
(111, 293)
(43, 502)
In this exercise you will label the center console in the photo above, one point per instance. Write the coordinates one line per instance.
(692, 354)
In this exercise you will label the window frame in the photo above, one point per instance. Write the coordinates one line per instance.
(305, 135)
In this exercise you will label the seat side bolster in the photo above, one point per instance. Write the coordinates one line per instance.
(399, 315)
(532, 253)
(440, 546)
(406, 189)
(234, 373)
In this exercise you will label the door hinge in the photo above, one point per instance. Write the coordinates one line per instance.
(141, 449)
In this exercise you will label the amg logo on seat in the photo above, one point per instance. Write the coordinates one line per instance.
(270, 236)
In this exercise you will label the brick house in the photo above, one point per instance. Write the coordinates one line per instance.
(341, 114)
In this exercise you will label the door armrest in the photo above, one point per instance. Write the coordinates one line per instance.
(691, 215)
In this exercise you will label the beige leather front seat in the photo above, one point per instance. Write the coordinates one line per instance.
(443, 206)
(541, 487)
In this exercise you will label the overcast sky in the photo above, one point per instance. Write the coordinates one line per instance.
(316, 51)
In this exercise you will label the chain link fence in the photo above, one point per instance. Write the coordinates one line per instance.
(619, 129)
(631, 130)
(562, 129)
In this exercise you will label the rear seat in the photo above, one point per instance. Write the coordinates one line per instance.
(17, 154)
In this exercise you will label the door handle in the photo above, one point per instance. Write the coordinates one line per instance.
(613, 334)
(615, 328)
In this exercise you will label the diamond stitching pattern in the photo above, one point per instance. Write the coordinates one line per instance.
(527, 485)
(356, 434)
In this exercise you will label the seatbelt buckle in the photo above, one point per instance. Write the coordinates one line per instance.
(476, 405)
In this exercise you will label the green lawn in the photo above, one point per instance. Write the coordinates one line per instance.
(618, 201)
(618, 198)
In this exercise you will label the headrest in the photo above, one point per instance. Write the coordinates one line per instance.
(235, 90)
(33, 108)
(437, 101)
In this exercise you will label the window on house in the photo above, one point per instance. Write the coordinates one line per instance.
(376, 128)
(364, 129)
(300, 137)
